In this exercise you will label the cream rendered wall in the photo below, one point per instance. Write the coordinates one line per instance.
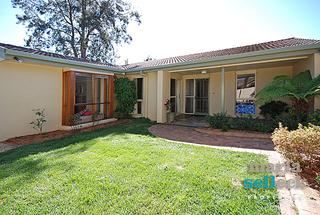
(316, 73)
(230, 92)
(152, 96)
(312, 63)
(163, 93)
(149, 108)
(266, 75)
(304, 64)
(24, 87)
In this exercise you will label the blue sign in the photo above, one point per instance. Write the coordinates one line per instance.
(245, 108)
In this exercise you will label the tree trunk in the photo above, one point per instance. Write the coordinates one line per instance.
(301, 109)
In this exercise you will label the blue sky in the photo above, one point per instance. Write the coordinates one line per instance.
(177, 27)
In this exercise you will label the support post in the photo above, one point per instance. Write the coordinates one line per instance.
(160, 97)
(223, 107)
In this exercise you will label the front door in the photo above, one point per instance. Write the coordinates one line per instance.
(201, 101)
(196, 99)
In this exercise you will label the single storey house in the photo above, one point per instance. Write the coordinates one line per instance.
(203, 83)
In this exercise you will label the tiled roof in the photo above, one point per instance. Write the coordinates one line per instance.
(211, 55)
(53, 55)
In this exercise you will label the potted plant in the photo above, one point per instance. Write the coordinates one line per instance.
(170, 114)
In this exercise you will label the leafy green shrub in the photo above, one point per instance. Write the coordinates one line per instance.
(318, 179)
(314, 118)
(225, 122)
(125, 91)
(273, 109)
(289, 120)
(301, 145)
(219, 121)
(252, 124)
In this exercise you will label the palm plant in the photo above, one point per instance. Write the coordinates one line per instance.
(300, 89)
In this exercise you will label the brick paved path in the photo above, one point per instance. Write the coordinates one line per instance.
(187, 134)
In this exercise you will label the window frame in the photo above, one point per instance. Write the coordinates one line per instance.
(237, 100)
(139, 100)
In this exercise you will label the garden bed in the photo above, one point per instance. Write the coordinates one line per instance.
(235, 133)
(309, 174)
(37, 138)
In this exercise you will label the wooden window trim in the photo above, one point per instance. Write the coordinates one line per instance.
(68, 94)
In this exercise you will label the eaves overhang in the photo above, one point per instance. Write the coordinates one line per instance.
(8, 53)
(222, 59)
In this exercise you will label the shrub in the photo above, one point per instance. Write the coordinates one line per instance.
(125, 91)
(219, 121)
(314, 118)
(318, 179)
(301, 145)
(252, 124)
(289, 120)
(273, 109)
(75, 121)
(224, 122)
(40, 120)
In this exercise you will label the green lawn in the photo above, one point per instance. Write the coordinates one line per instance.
(125, 170)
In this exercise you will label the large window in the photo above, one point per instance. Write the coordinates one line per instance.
(89, 96)
(139, 87)
(245, 94)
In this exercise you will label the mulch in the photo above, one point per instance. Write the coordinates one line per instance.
(309, 174)
(37, 138)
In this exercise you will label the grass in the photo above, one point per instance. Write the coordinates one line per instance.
(125, 170)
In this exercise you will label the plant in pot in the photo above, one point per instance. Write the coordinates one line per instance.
(170, 114)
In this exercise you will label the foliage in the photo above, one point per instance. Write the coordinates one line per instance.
(301, 145)
(86, 29)
(75, 121)
(299, 89)
(314, 118)
(225, 122)
(124, 169)
(95, 118)
(289, 120)
(219, 120)
(318, 179)
(126, 96)
(273, 109)
(40, 120)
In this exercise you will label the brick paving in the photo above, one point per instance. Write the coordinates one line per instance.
(191, 135)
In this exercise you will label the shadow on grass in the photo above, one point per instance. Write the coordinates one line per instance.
(137, 126)
(24, 169)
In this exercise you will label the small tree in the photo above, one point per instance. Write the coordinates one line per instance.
(40, 120)
(126, 96)
(299, 89)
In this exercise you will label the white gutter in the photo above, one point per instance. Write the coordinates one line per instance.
(15, 53)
